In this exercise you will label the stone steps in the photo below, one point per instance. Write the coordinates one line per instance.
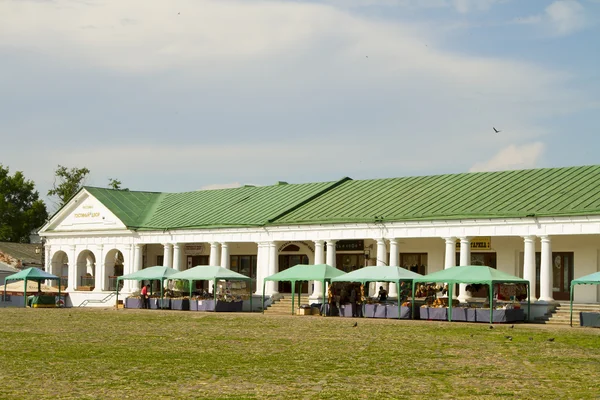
(283, 306)
(561, 315)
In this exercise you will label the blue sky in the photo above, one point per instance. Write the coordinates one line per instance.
(185, 94)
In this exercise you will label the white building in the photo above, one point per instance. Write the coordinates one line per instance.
(541, 224)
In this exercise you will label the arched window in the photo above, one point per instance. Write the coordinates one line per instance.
(291, 247)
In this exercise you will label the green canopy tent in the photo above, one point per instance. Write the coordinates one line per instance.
(380, 273)
(30, 274)
(303, 272)
(472, 274)
(211, 273)
(156, 273)
(591, 279)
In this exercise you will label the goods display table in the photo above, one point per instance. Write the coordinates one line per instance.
(387, 311)
(180, 304)
(233, 306)
(431, 313)
(164, 304)
(42, 301)
(589, 319)
(472, 314)
(132, 302)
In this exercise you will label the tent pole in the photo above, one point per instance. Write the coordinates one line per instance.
(528, 303)
(263, 297)
(450, 287)
(491, 290)
(398, 288)
(293, 287)
(571, 305)
(215, 292)
(25, 293)
(251, 293)
(59, 293)
(412, 311)
(325, 305)
(190, 283)
(117, 298)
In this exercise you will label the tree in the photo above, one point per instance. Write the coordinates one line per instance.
(21, 210)
(70, 181)
(115, 184)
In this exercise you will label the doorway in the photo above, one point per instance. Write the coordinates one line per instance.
(562, 274)
(286, 261)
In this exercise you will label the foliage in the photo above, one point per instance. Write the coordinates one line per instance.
(115, 184)
(115, 354)
(70, 181)
(21, 210)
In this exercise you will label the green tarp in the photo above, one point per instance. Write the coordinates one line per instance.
(303, 272)
(211, 273)
(380, 273)
(156, 273)
(591, 279)
(31, 274)
(472, 274)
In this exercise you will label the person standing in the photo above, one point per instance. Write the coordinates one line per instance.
(353, 300)
(144, 294)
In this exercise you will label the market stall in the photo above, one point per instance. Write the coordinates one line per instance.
(303, 272)
(157, 273)
(473, 274)
(228, 300)
(586, 318)
(382, 273)
(36, 275)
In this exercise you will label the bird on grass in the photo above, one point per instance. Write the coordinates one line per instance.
(355, 325)
(508, 337)
(491, 327)
(530, 338)
(512, 326)
(496, 130)
(471, 335)
(551, 339)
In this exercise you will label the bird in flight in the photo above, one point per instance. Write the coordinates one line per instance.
(496, 130)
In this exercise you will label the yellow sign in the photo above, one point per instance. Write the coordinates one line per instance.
(478, 243)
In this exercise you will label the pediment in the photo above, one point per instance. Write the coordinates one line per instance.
(83, 213)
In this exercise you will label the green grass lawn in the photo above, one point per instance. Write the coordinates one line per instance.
(151, 354)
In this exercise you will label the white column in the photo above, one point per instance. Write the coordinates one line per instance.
(262, 266)
(225, 255)
(168, 255)
(450, 253)
(317, 293)
(465, 259)
(99, 272)
(72, 277)
(177, 256)
(48, 266)
(393, 292)
(137, 264)
(271, 287)
(215, 257)
(331, 253)
(529, 265)
(127, 267)
(381, 260)
(546, 271)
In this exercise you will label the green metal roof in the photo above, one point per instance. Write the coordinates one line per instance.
(238, 207)
(505, 194)
(132, 208)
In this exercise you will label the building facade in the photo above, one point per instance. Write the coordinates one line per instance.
(542, 225)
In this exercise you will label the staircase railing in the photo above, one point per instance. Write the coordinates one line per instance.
(94, 301)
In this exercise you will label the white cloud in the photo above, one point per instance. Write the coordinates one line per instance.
(566, 16)
(561, 18)
(513, 157)
(216, 186)
(466, 6)
(265, 91)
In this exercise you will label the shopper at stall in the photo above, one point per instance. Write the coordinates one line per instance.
(382, 294)
(144, 295)
(353, 300)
